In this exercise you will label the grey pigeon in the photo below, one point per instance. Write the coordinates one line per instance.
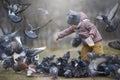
(92, 56)
(34, 51)
(108, 19)
(76, 41)
(66, 56)
(54, 71)
(114, 44)
(93, 66)
(13, 17)
(16, 8)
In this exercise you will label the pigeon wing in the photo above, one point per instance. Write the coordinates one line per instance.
(113, 12)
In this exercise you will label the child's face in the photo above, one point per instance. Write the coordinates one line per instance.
(73, 26)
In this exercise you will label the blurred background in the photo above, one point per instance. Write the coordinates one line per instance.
(41, 11)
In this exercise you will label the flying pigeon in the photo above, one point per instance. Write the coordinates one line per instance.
(14, 10)
(34, 51)
(76, 41)
(108, 19)
(13, 17)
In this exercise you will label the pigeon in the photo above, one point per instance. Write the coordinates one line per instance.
(92, 56)
(16, 8)
(34, 51)
(7, 37)
(76, 41)
(114, 44)
(14, 18)
(93, 66)
(66, 56)
(51, 57)
(31, 69)
(8, 62)
(54, 71)
(68, 73)
(111, 27)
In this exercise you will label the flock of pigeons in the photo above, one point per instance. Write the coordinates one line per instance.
(28, 61)
(104, 65)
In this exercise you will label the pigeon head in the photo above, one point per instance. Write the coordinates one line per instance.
(53, 64)
(66, 56)
(51, 57)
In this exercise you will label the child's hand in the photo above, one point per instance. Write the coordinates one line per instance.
(92, 36)
(57, 38)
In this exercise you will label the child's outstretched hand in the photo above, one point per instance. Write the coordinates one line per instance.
(57, 38)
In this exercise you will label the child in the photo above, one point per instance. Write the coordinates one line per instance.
(81, 25)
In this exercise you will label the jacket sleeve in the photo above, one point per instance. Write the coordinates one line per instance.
(65, 32)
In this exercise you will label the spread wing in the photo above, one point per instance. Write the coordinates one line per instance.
(113, 11)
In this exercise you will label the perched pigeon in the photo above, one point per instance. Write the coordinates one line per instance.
(14, 10)
(8, 62)
(114, 44)
(2, 55)
(92, 55)
(16, 68)
(31, 70)
(93, 66)
(54, 71)
(7, 37)
(68, 73)
(66, 56)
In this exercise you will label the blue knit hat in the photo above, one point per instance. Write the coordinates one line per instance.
(73, 17)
